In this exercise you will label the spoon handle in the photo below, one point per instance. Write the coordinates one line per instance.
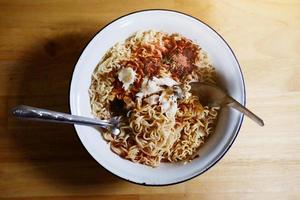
(32, 113)
(236, 105)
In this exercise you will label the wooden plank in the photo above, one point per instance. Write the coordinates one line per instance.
(40, 42)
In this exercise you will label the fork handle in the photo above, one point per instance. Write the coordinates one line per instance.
(236, 105)
(32, 113)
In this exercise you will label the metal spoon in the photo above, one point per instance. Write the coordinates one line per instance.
(213, 95)
(208, 94)
(39, 114)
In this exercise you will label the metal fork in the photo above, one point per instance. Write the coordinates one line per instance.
(32, 113)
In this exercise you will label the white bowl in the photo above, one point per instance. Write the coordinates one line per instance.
(220, 55)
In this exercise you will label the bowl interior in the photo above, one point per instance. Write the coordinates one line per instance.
(220, 55)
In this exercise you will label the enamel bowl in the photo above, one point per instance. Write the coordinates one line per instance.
(220, 55)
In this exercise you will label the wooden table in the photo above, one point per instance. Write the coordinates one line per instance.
(40, 42)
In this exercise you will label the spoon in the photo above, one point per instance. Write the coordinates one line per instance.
(212, 95)
(208, 94)
(39, 114)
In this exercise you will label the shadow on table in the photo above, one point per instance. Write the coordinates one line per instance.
(54, 150)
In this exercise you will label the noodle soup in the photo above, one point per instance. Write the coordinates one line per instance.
(146, 81)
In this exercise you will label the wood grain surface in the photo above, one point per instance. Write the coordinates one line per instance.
(40, 42)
